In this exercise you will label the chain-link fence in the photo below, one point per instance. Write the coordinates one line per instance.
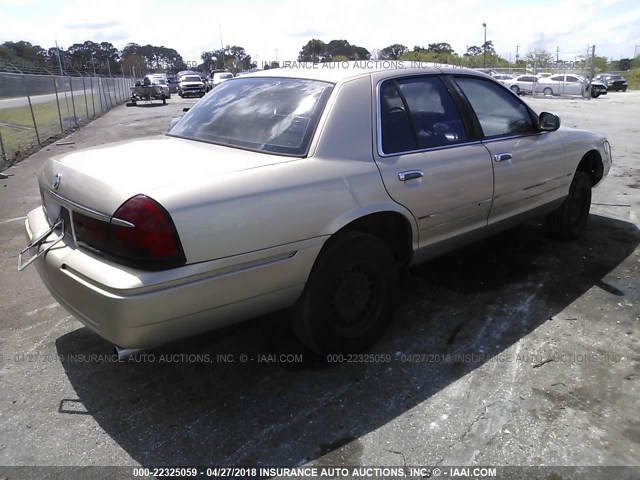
(36, 109)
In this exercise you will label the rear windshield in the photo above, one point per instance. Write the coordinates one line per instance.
(274, 115)
(191, 78)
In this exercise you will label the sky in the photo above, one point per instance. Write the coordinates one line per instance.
(277, 29)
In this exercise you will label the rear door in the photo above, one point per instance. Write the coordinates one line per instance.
(428, 159)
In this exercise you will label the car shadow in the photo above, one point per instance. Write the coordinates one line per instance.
(239, 396)
(148, 105)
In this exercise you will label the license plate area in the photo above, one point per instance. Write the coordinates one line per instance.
(41, 239)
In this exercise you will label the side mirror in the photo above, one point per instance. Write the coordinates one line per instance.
(173, 122)
(549, 122)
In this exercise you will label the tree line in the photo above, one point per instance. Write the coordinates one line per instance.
(138, 60)
(103, 58)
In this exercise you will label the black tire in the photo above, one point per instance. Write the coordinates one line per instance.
(569, 221)
(595, 94)
(547, 91)
(347, 302)
(515, 89)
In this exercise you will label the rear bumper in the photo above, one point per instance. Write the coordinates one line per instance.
(140, 309)
(192, 91)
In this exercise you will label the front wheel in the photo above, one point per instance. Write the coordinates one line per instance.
(348, 300)
(547, 91)
(569, 221)
(515, 89)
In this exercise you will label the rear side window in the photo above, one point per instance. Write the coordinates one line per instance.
(418, 113)
(275, 115)
(499, 112)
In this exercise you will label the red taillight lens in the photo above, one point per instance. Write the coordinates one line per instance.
(152, 239)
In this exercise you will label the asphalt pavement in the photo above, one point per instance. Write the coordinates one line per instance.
(519, 350)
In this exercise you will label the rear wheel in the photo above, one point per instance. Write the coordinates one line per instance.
(348, 300)
(515, 89)
(569, 221)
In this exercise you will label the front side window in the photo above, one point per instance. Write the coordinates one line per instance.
(275, 115)
(499, 112)
(418, 113)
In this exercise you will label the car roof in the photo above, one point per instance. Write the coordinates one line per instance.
(340, 71)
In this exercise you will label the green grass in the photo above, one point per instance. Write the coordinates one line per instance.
(633, 78)
(23, 137)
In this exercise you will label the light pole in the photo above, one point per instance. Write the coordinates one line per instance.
(93, 64)
(484, 47)
(59, 59)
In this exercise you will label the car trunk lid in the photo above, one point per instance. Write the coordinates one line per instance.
(101, 178)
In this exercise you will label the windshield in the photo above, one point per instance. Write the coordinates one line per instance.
(225, 75)
(192, 78)
(275, 115)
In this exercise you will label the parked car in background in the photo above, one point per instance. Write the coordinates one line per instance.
(191, 85)
(569, 85)
(487, 71)
(521, 83)
(172, 83)
(301, 189)
(502, 76)
(219, 77)
(614, 82)
(183, 73)
(151, 87)
(207, 83)
(597, 88)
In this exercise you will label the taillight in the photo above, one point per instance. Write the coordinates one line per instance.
(141, 234)
(151, 240)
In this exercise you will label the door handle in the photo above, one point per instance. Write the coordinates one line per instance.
(410, 175)
(502, 157)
